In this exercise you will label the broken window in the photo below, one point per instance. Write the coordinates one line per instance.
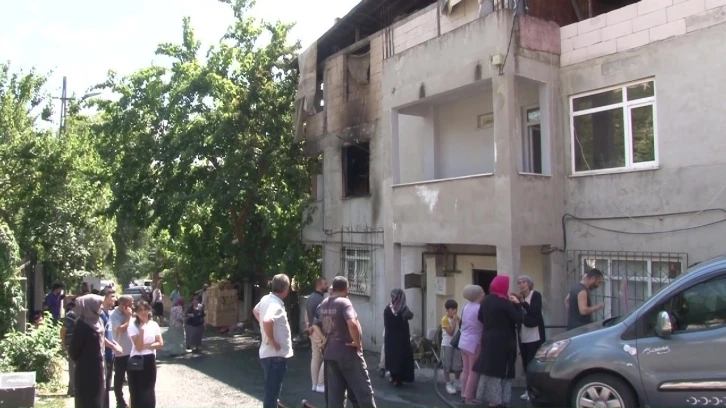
(532, 143)
(359, 72)
(319, 90)
(356, 170)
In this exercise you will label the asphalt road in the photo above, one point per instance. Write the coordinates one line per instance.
(228, 374)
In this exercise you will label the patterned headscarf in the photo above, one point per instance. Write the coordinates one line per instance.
(398, 300)
(87, 310)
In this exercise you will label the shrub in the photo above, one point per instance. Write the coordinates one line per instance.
(39, 350)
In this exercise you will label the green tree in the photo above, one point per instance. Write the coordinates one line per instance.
(51, 195)
(203, 150)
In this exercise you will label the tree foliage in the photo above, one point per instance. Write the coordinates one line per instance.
(201, 153)
(51, 198)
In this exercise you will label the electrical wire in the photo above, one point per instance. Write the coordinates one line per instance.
(615, 202)
(515, 23)
(584, 220)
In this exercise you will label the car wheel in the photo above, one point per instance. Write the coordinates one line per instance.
(603, 391)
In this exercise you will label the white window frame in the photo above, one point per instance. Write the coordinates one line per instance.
(358, 255)
(527, 157)
(609, 279)
(627, 107)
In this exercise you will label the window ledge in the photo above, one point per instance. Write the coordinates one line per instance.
(605, 172)
(521, 173)
(344, 198)
(418, 183)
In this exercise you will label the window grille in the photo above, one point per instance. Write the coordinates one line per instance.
(356, 266)
(630, 278)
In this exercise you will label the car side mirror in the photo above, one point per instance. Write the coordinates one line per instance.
(664, 327)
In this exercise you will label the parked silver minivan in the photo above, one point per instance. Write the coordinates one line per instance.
(670, 352)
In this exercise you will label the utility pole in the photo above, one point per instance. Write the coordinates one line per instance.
(64, 107)
(64, 104)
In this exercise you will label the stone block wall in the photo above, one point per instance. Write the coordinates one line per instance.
(637, 25)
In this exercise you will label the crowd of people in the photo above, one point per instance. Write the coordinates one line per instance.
(111, 340)
(108, 340)
(479, 347)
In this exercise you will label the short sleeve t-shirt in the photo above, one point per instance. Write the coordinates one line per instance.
(151, 331)
(106, 318)
(334, 315)
(447, 322)
(117, 319)
(273, 308)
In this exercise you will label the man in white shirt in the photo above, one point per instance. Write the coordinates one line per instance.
(276, 345)
(120, 319)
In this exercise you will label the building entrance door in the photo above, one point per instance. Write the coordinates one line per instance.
(483, 278)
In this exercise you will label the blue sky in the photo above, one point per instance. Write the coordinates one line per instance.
(83, 39)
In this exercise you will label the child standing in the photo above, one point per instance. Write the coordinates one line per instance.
(451, 356)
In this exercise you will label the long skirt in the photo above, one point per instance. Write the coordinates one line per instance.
(194, 336)
(175, 341)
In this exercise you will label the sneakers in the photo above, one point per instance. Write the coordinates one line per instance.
(457, 385)
(450, 388)
(320, 389)
(525, 396)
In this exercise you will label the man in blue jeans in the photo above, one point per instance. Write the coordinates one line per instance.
(276, 345)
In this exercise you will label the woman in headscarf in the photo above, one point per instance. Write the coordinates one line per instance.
(86, 350)
(397, 340)
(195, 325)
(175, 341)
(501, 315)
(470, 342)
(532, 332)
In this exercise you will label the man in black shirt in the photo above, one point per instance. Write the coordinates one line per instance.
(577, 302)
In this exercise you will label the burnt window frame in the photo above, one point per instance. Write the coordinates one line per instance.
(364, 146)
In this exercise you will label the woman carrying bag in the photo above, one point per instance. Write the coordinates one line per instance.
(146, 338)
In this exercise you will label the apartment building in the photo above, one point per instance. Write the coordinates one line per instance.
(461, 139)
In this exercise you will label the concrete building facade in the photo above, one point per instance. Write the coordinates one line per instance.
(465, 139)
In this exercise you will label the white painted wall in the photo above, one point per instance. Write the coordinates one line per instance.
(461, 148)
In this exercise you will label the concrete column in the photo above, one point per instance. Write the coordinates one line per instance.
(430, 142)
(395, 163)
(555, 291)
(506, 145)
(509, 263)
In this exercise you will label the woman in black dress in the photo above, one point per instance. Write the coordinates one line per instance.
(86, 350)
(500, 314)
(195, 325)
(397, 341)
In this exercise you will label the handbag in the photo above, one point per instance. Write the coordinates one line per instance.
(136, 363)
(457, 336)
(455, 340)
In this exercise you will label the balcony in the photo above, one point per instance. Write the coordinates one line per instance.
(457, 210)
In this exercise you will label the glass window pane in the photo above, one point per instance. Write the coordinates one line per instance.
(666, 270)
(598, 100)
(642, 133)
(701, 306)
(599, 140)
(627, 295)
(533, 115)
(630, 269)
(639, 91)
